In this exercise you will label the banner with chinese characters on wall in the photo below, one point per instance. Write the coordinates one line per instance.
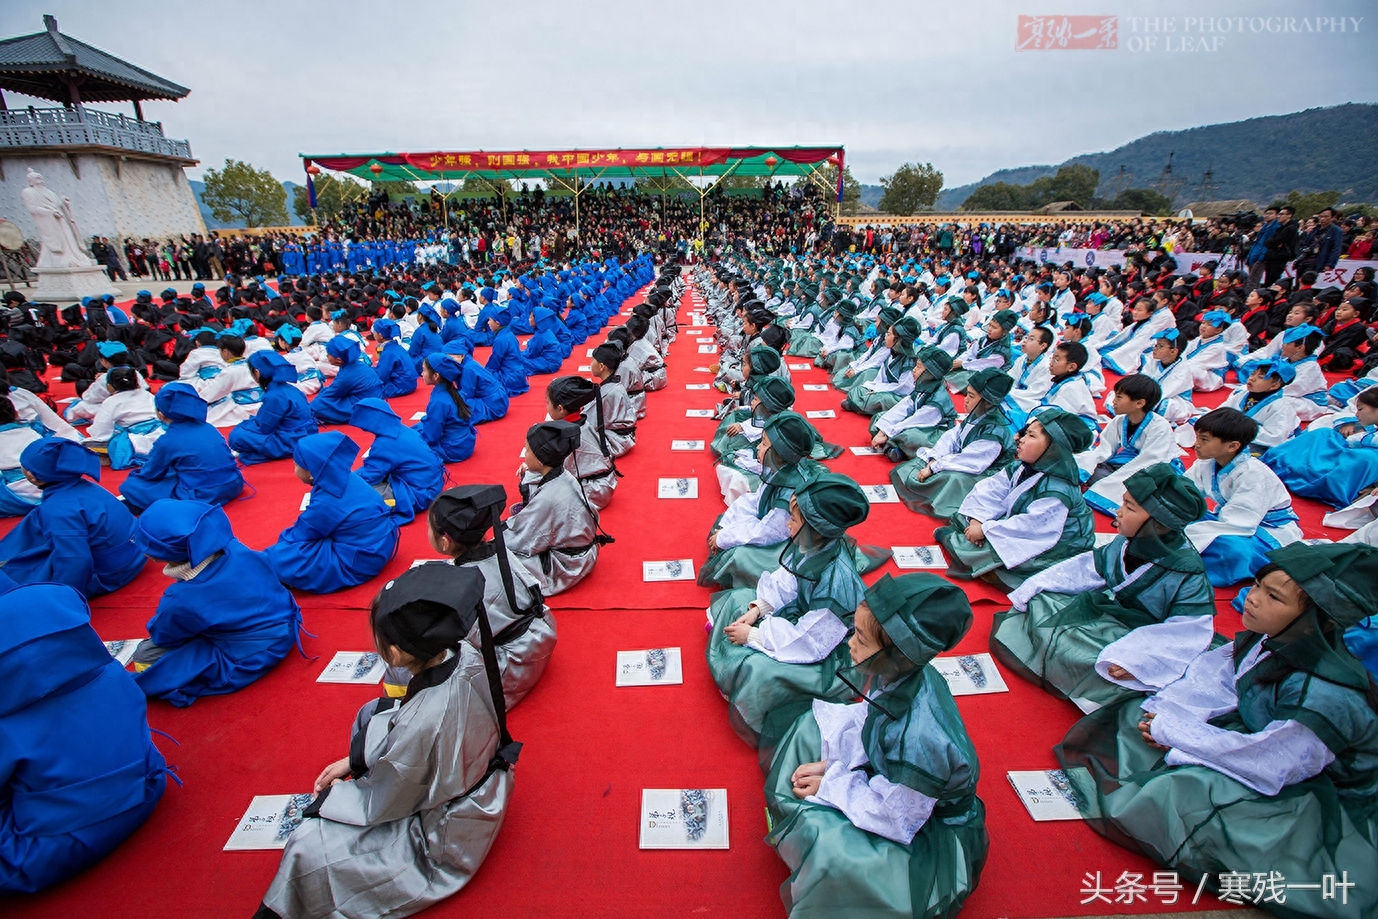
(564, 159)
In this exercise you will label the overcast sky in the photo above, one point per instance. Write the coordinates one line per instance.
(892, 80)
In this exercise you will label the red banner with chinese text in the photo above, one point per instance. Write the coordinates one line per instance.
(517, 160)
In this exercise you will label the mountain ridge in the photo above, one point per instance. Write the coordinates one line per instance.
(1260, 159)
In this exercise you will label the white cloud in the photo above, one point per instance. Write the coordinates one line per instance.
(893, 81)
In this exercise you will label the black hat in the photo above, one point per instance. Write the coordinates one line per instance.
(428, 609)
(552, 441)
(570, 392)
(466, 513)
(609, 355)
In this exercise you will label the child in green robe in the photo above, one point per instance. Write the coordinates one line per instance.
(1064, 616)
(873, 805)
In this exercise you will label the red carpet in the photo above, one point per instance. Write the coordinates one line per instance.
(569, 847)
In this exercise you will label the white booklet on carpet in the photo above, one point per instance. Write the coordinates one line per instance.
(864, 451)
(1046, 794)
(588, 353)
(703, 369)
(123, 649)
(698, 413)
(678, 488)
(697, 386)
(815, 387)
(705, 341)
(686, 444)
(585, 368)
(919, 558)
(801, 366)
(418, 416)
(708, 349)
(825, 413)
(268, 823)
(652, 667)
(881, 494)
(354, 667)
(970, 674)
(684, 818)
(676, 569)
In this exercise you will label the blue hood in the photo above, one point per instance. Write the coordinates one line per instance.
(329, 458)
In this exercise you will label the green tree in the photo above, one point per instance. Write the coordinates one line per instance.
(851, 188)
(667, 184)
(1071, 183)
(333, 192)
(1144, 200)
(997, 196)
(397, 190)
(741, 181)
(240, 194)
(1306, 205)
(910, 188)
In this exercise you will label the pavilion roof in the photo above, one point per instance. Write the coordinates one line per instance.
(46, 63)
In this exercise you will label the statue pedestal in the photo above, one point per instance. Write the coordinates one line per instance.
(69, 285)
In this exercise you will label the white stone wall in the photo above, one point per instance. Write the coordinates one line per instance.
(113, 199)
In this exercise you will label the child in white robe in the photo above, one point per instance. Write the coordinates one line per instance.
(1264, 400)
(232, 395)
(1208, 354)
(1164, 365)
(1309, 390)
(1124, 352)
(1253, 510)
(17, 494)
(1031, 376)
(1136, 437)
(126, 427)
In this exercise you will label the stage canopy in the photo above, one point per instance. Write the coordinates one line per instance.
(561, 166)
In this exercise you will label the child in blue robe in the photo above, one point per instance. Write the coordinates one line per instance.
(425, 341)
(482, 392)
(400, 465)
(448, 428)
(78, 769)
(354, 381)
(284, 417)
(505, 361)
(346, 534)
(1334, 464)
(542, 353)
(80, 534)
(191, 462)
(395, 369)
(223, 622)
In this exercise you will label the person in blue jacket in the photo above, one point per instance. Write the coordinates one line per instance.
(190, 462)
(79, 534)
(223, 622)
(400, 465)
(284, 417)
(354, 381)
(346, 534)
(78, 769)
(425, 341)
(448, 426)
(395, 369)
(505, 361)
(542, 351)
(482, 392)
